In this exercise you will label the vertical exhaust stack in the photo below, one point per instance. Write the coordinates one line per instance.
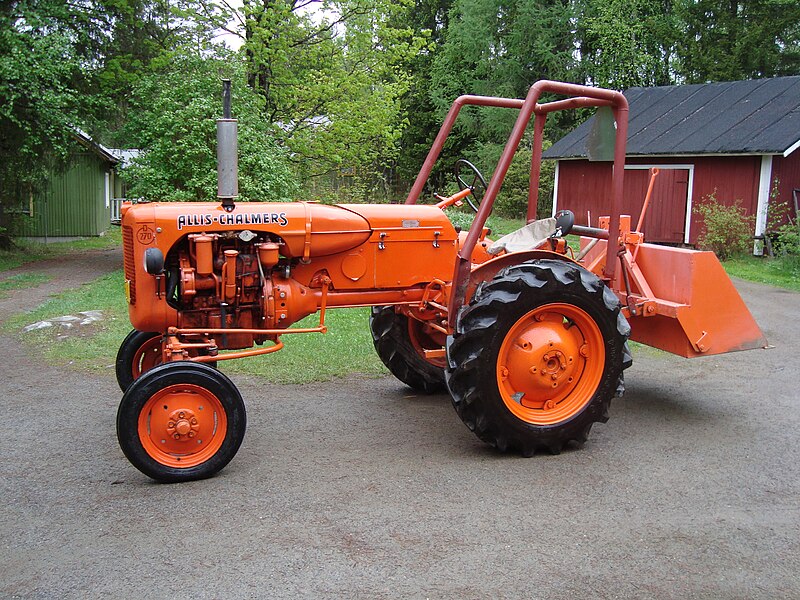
(227, 152)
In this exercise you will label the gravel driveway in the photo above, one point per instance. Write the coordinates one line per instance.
(360, 489)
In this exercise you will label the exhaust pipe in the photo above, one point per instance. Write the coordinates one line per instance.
(227, 152)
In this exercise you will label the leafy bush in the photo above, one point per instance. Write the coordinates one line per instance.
(512, 200)
(727, 229)
(173, 122)
(784, 231)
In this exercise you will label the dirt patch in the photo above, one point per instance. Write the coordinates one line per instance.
(65, 272)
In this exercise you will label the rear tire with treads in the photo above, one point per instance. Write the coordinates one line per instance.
(399, 342)
(537, 356)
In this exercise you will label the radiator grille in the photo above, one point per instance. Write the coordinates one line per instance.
(130, 270)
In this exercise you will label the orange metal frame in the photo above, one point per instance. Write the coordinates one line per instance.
(366, 255)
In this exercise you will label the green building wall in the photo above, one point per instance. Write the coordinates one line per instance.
(74, 202)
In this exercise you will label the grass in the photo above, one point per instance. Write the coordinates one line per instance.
(27, 251)
(780, 272)
(20, 281)
(346, 349)
(93, 347)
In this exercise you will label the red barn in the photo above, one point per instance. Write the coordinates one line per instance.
(738, 140)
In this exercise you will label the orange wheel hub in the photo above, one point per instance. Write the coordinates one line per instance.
(550, 364)
(182, 425)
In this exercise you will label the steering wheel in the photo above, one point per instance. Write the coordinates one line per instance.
(478, 185)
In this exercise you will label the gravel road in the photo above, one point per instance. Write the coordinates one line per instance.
(361, 489)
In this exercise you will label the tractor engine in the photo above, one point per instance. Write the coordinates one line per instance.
(214, 281)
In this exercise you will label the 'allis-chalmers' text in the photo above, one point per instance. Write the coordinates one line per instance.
(207, 220)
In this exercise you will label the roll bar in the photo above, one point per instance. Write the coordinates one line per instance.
(579, 96)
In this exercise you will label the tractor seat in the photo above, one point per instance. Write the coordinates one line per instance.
(534, 234)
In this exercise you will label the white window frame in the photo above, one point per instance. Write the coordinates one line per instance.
(108, 189)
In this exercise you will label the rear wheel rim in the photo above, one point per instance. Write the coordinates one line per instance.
(550, 364)
(182, 425)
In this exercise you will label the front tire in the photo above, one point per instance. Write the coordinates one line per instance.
(400, 343)
(181, 421)
(139, 352)
(537, 356)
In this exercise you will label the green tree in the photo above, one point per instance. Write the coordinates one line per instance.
(137, 38)
(429, 19)
(40, 64)
(627, 43)
(726, 40)
(172, 119)
(500, 48)
(331, 76)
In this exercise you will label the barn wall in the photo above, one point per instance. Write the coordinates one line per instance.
(730, 178)
(787, 172)
(585, 186)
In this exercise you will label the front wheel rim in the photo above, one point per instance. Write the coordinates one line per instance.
(182, 425)
(550, 364)
(146, 357)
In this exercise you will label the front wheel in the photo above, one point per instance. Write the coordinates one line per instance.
(139, 352)
(181, 421)
(537, 357)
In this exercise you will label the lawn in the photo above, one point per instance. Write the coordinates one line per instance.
(28, 251)
(344, 350)
(780, 272)
(347, 348)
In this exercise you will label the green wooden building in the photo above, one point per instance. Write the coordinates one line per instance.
(76, 202)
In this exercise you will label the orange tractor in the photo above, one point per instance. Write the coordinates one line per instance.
(529, 337)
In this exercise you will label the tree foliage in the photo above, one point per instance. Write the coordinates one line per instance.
(331, 76)
(325, 86)
(172, 119)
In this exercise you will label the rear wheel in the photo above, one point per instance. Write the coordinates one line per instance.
(181, 421)
(537, 357)
(401, 343)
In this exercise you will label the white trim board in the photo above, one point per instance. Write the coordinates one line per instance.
(555, 191)
(791, 148)
(764, 184)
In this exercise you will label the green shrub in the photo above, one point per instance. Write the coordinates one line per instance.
(784, 231)
(512, 200)
(727, 229)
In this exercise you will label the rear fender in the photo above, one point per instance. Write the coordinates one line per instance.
(489, 269)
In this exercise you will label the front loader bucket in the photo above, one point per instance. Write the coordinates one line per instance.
(680, 300)
(698, 311)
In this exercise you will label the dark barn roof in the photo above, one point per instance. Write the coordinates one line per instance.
(740, 117)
